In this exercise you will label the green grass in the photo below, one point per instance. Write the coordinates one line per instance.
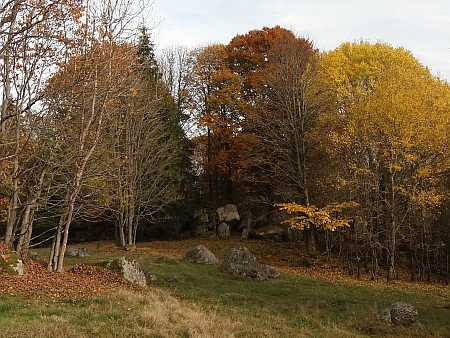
(291, 303)
(204, 301)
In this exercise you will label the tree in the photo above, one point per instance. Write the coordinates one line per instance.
(31, 42)
(83, 94)
(280, 72)
(389, 134)
(147, 146)
(218, 102)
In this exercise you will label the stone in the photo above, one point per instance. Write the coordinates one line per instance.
(271, 271)
(241, 262)
(12, 264)
(78, 252)
(207, 234)
(228, 213)
(245, 233)
(223, 230)
(202, 255)
(200, 230)
(270, 233)
(246, 220)
(129, 269)
(129, 247)
(150, 277)
(203, 218)
(33, 255)
(171, 278)
(399, 313)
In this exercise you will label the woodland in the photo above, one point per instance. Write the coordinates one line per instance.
(99, 133)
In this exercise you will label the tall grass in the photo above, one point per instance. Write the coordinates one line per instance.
(153, 313)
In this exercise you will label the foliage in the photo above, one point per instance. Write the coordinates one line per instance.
(327, 218)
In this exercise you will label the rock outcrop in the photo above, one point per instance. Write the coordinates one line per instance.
(228, 213)
(241, 262)
(223, 230)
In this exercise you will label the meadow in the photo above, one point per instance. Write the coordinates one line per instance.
(205, 301)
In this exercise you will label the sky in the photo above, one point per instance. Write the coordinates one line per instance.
(420, 26)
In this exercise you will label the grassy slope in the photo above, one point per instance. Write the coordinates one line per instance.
(210, 303)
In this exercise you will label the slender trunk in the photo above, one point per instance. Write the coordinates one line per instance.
(392, 235)
(25, 230)
(411, 261)
(68, 220)
(28, 219)
(12, 220)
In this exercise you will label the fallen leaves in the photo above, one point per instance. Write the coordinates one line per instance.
(79, 282)
(82, 281)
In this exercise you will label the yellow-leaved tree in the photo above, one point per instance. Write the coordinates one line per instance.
(388, 136)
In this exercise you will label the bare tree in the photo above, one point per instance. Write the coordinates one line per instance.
(290, 105)
(146, 154)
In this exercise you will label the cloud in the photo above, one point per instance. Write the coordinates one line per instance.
(419, 26)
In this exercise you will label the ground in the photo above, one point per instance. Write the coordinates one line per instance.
(81, 281)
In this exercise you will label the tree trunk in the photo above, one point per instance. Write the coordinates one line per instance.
(12, 221)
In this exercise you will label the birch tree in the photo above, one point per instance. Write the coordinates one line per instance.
(31, 43)
(84, 93)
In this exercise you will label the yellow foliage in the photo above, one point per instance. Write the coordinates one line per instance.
(327, 218)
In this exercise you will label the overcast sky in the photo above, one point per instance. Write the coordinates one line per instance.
(421, 26)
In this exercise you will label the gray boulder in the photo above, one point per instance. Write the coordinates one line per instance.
(129, 269)
(400, 314)
(171, 278)
(33, 255)
(241, 262)
(270, 233)
(245, 233)
(11, 263)
(200, 254)
(246, 220)
(78, 252)
(150, 277)
(228, 213)
(223, 230)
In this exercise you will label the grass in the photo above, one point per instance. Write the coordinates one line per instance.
(207, 302)
(292, 303)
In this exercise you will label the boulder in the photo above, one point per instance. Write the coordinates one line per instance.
(11, 263)
(241, 262)
(200, 254)
(129, 247)
(270, 233)
(171, 278)
(129, 269)
(150, 277)
(278, 218)
(245, 233)
(205, 220)
(78, 252)
(246, 220)
(33, 255)
(223, 230)
(228, 213)
(400, 314)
